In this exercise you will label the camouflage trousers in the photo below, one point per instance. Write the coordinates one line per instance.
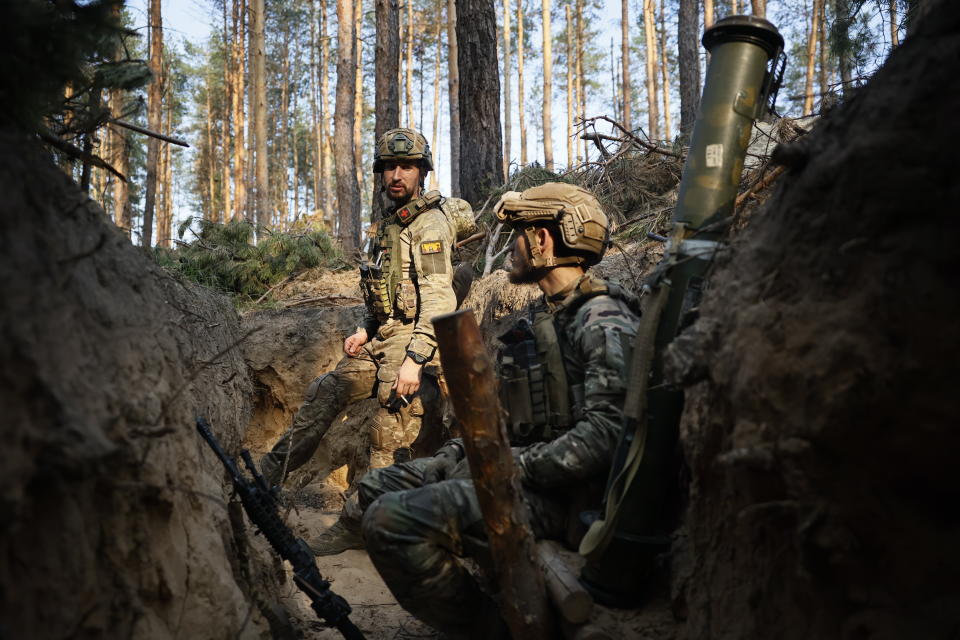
(370, 374)
(418, 535)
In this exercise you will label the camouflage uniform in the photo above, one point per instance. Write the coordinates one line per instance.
(416, 533)
(424, 247)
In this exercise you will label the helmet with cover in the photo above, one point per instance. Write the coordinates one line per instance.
(402, 145)
(580, 223)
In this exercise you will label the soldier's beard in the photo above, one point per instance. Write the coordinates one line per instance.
(521, 272)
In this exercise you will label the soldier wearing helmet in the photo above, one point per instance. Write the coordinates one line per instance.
(563, 373)
(406, 281)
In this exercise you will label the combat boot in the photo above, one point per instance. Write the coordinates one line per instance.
(342, 536)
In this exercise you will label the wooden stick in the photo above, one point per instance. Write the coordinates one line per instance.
(473, 389)
(477, 236)
(569, 596)
(760, 186)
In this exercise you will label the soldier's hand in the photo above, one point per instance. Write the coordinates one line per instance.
(438, 468)
(352, 345)
(408, 378)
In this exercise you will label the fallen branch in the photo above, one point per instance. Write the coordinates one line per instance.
(477, 236)
(74, 152)
(643, 143)
(337, 297)
(762, 184)
(276, 286)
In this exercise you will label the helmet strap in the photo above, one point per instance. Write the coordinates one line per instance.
(537, 259)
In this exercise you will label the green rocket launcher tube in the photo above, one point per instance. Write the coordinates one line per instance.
(633, 529)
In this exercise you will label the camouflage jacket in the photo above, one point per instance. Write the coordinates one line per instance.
(425, 288)
(596, 339)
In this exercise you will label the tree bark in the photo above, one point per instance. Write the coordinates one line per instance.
(261, 200)
(707, 14)
(481, 154)
(120, 149)
(665, 72)
(523, 600)
(434, 182)
(327, 159)
(507, 107)
(317, 146)
(571, 99)
(811, 57)
(581, 98)
(409, 80)
(227, 119)
(824, 71)
(153, 118)
(453, 90)
(520, 97)
(165, 210)
(653, 111)
(348, 191)
(759, 8)
(358, 95)
(625, 63)
(547, 86)
(239, 114)
(386, 91)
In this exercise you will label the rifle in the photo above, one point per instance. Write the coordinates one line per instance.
(260, 503)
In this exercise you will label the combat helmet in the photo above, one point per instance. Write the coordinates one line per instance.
(574, 211)
(402, 144)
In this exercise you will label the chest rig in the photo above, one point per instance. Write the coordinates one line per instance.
(382, 280)
(540, 401)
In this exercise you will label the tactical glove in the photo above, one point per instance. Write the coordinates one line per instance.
(438, 468)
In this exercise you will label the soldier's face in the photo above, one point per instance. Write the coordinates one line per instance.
(402, 180)
(521, 271)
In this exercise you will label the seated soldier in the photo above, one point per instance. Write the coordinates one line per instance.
(422, 517)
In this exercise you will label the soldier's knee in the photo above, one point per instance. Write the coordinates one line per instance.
(370, 487)
(326, 388)
(380, 523)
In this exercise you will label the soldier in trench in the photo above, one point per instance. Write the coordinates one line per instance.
(407, 281)
(563, 373)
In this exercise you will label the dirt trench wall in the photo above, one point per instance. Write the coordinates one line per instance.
(114, 512)
(821, 417)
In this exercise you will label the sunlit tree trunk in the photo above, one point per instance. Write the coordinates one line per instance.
(358, 95)
(571, 57)
(894, 33)
(625, 63)
(453, 91)
(507, 107)
(279, 197)
(759, 8)
(707, 14)
(348, 191)
(580, 97)
(153, 121)
(239, 114)
(317, 146)
(258, 77)
(547, 86)
(434, 182)
(653, 111)
(226, 141)
(824, 72)
(521, 52)
(665, 72)
(811, 57)
(120, 148)
(165, 210)
(327, 155)
(409, 79)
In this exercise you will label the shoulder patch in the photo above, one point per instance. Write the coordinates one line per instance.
(431, 247)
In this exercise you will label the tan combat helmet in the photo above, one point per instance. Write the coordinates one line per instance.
(575, 212)
(402, 144)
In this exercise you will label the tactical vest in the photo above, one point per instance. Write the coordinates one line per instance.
(384, 286)
(534, 391)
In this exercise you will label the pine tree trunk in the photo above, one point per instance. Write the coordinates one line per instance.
(581, 98)
(258, 77)
(759, 8)
(153, 121)
(387, 91)
(120, 148)
(239, 113)
(894, 34)
(165, 173)
(227, 120)
(348, 191)
(571, 62)
(409, 80)
(842, 45)
(434, 182)
(625, 63)
(547, 86)
(317, 146)
(358, 95)
(283, 222)
(453, 91)
(707, 14)
(824, 70)
(507, 106)
(653, 111)
(279, 180)
(665, 73)
(811, 57)
(520, 97)
(210, 159)
(327, 156)
(481, 155)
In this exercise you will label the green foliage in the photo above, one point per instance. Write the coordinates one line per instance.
(224, 257)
